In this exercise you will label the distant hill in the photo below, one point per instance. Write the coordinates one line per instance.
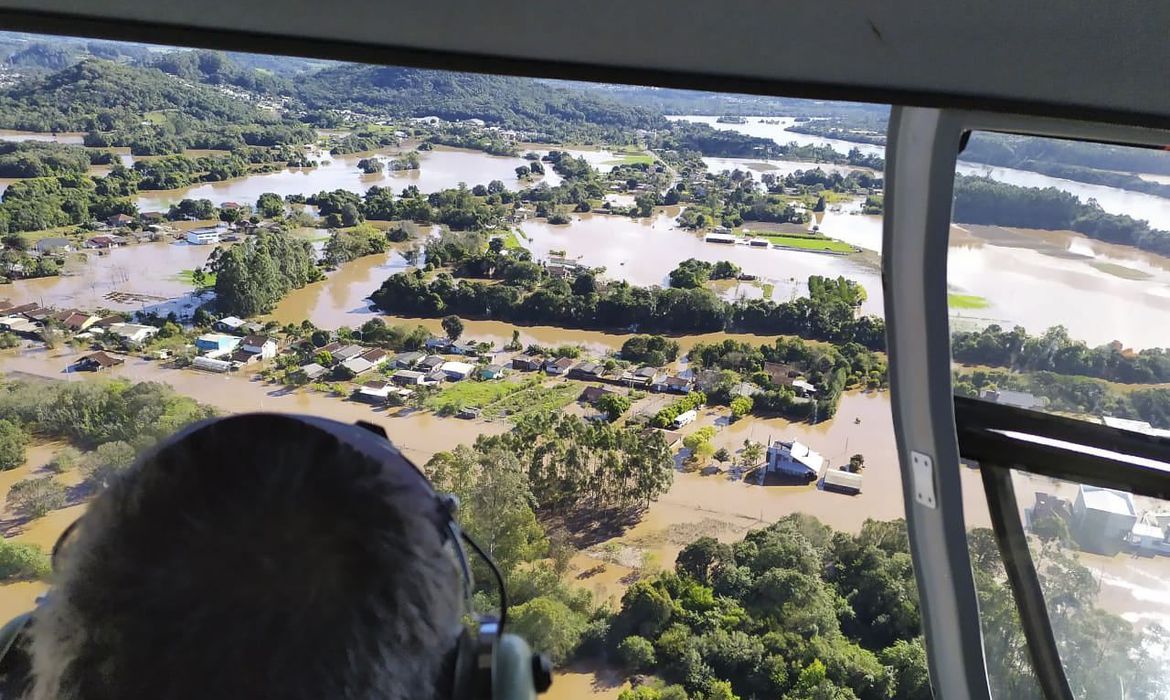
(672, 101)
(30, 53)
(102, 95)
(217, 68)
(518, 103)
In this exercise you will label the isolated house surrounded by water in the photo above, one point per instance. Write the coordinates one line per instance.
(1102, 518)
(205, 236)
(794, 459)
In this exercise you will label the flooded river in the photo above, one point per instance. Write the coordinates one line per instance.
(75, 138)
(439, 169)
(778, 132)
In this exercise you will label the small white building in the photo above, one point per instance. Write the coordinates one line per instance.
(1019, 399)
(1148, 538)
(842, 481)
(794, 459)
(208, 364)
(1135, 426)
(407, 377)
(313, 371)
(260, 345)
(132, 332)
(358, 365)
(209, 235)
(457, 371)
(229, 324)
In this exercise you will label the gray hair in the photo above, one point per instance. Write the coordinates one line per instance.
(255, 558)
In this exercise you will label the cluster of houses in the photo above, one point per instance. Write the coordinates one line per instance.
(235, 343)
(1105, 521)
(30, 320)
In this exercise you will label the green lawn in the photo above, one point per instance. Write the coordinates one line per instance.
(58, 232)
(768, 288)
(511, 241)
(188, 277)
(473, 394)
(966, 301)
(626, 158)
(806, 242)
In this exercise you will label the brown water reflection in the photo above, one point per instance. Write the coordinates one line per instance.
(149, 269)
(439, 169)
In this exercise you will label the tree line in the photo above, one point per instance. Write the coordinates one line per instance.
(621, 306)
(981, 200)
(1055, 351)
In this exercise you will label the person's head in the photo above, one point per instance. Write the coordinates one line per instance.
(255, 557)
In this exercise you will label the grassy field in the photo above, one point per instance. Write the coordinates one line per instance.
(511, 239)
(59, 232)
(630, 158)
(806, 242)
(1121, 271)
(188, 276)
(535, 398)
(966, 301)
(473, 394)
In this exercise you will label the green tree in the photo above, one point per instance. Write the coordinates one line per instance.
(109, 459)
(646, 610)
(269, 205)
(549, 626)
(613, 405)
(65, 459)
(33, 498)
(22, 562)
(752, 453)
(453, 327)
(636, 654)
(907, 660)
(699, 443)
(12, 443)
(700, 558)
(741, 406)
(722, 455)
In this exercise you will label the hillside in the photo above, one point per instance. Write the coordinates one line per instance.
(217, 68)
(101, 95)
(512, 102)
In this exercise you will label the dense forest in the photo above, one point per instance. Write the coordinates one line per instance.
(620, 306)
(980, 200)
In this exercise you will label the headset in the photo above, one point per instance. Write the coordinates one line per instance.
(484, 663)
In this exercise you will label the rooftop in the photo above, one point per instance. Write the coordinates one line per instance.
(1107, 500)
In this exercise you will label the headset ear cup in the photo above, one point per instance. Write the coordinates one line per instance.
(514, 673)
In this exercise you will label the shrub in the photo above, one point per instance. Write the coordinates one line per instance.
(35, 497)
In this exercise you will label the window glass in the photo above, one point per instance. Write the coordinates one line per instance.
(644, 325)
(1057, 277)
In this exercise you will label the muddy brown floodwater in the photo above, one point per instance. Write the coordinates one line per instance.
(439, 169)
